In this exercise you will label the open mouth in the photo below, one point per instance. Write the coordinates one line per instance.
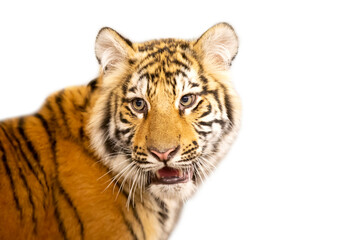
(169, 175)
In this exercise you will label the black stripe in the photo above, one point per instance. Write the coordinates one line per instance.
(186, 58)
(93, 84)
(69, 201)
(193, 85)
(110, 146)
(31, 200)
(145, 75)
(209, 109)
(149, 64)
(148, 86)
(127, 41)
(177, 62)
(11, 179)
(128, 141)
(58, 100)
(52, 140)
(160, 51)
(228, 105)
(163, 217)
(210, 123)
(128, 225)
(215, 93)
(161, 204)
(125, 131)
(23, 156)
(198, 105)
(106, 120)
(136, 215)
(141, 162)
(125, 84)
(48, 132)
(130, 112)
(62, 191)
(31, 148)
(153, 76)
(132, 61)
(141, 154)
(203, 79)
(123, 120)
(61, 226)
(176, 73)
(132, 89)
(206, 123)
(202, 133)
(190, 150)
(157, 52)
(116, 101)
(163, 213)
(184, 46)
(81, 133)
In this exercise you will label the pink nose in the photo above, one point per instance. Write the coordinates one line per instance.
(164, 155)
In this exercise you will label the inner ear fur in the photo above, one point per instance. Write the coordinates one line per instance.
(112, 49)
(218, 46)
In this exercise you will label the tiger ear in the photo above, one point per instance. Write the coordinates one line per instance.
(112, 49)
(218, 46)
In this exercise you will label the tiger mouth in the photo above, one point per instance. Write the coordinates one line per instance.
(168, 176)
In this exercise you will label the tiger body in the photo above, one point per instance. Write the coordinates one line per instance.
(116, 159)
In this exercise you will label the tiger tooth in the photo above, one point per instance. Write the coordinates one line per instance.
(181, 173)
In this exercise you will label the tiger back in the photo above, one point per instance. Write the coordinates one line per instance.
(117, 158)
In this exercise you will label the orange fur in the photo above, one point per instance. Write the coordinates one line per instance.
(62, 174)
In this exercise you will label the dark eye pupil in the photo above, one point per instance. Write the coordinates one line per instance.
(185, 99)
(138, 103)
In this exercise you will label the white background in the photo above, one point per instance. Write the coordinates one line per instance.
(294, 171)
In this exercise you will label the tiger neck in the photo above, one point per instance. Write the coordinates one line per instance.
(69, 111)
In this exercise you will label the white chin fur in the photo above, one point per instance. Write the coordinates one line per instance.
(179, 191)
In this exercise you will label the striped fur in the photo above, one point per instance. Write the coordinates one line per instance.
(82, 168)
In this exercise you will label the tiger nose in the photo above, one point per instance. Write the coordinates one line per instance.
(164, 155)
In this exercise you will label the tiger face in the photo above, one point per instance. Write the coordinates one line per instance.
(167, 112)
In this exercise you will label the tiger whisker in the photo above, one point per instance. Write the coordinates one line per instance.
(197, 171)
(104, 175)
(126, 176)
(111, 170)
(110, 155)
(202, 170)
(116, 177)
(208, 162)
(132, 188)
(206, 170)
(141, 184)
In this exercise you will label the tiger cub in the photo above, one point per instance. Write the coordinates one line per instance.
(117, 158)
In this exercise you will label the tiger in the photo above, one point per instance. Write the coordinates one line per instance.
(117, 158)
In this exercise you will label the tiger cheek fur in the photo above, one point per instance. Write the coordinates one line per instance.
(117, 158)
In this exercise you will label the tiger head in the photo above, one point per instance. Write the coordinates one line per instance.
(167, 112)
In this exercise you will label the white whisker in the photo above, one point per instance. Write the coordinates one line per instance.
(126, 176)
(131, 188)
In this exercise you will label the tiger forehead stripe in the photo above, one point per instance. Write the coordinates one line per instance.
(157, 68)
(158, 47)
(170, 43)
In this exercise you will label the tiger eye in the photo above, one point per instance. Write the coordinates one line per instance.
(138, 104)
(187, 101)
